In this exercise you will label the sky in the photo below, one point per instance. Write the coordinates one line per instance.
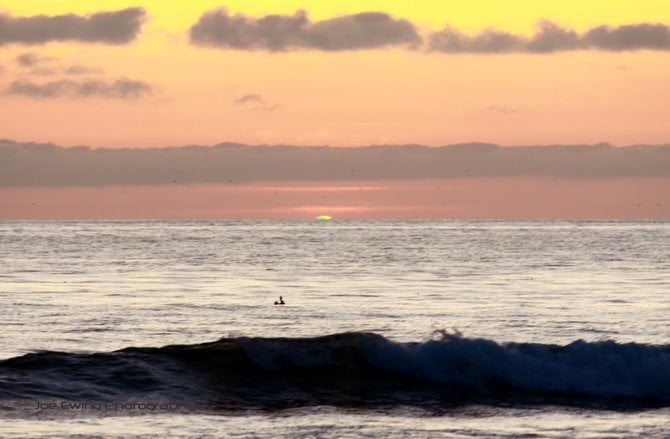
(137, 76)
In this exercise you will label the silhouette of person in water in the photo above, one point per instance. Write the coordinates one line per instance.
(281, 301)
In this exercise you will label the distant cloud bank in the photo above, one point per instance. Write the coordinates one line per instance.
(113, 27)
(373, 30)
(31, 164)
(550, 37)
(367, 30)
(360, 31)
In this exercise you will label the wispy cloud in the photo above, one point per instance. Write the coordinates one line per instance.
(367, 30)
(121, 88)
(109, 27)
(49, 165)
(31, 59)
(506, 109)
(44, 71)
(256, 101)
(250, 98)
(550, 37)
(81, 70)
(36, 63)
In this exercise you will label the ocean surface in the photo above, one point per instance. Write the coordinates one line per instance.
(459, 329)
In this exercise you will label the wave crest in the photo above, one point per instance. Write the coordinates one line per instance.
(351, 369)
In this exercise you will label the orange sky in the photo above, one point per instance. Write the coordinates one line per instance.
(191, 93)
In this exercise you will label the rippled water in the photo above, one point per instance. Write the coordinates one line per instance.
(102, 286)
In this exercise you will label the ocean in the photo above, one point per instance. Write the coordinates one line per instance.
(153, 329)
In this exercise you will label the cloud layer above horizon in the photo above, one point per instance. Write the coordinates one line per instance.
(373, 30)
(109, 27)
(366, 30)
(359, 31)
(550, 37)
(44, 165)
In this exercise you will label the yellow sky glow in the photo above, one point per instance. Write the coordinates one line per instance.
(471, 15)
(351, 97)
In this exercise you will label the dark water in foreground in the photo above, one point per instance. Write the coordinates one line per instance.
(565, 328)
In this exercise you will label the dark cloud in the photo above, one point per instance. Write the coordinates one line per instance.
(453, 41)
(272, 32)
(630, 37)
(114, 27)
(367, 30)
(121, 88)
(549, 37)
(49, 165)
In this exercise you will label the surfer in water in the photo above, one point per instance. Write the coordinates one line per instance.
(281, 301)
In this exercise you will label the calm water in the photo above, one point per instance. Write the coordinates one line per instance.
(84, 287)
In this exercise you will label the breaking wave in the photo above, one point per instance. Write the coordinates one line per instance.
(350, 369)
